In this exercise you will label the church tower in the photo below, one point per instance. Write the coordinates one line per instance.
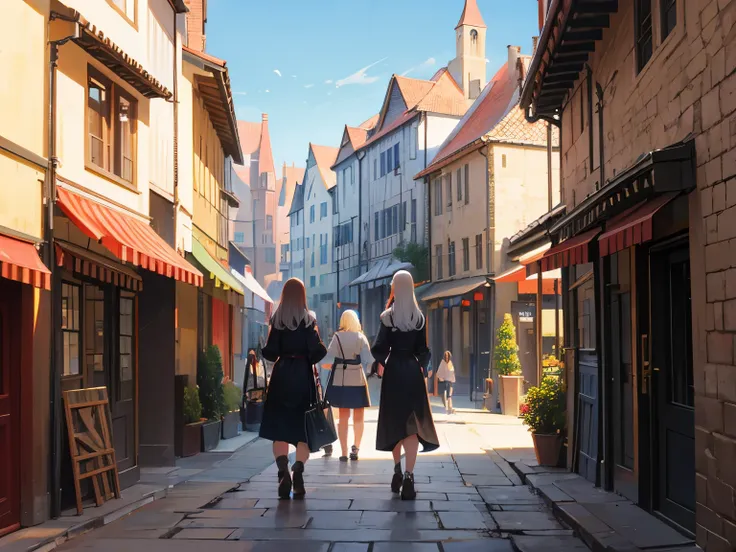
(469, 66)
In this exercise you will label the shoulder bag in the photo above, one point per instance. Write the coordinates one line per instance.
(319, 424)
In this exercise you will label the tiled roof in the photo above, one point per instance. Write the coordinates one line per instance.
(325, 157)
(370, 123)
(471, 15)
(297, 203)
(289, 179)
(444, 97)
(255, 137)
(397, 123)
(413, 90)
(265, 155)
(358, 136)
(250, 136)
(515, 128)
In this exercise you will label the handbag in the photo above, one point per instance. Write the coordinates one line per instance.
(319, 424)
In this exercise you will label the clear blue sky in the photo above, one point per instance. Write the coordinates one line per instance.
(315, 44)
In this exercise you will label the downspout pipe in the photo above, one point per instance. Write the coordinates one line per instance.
(55, 310)
(360, 155)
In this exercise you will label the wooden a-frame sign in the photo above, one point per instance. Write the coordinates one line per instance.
(89, 427)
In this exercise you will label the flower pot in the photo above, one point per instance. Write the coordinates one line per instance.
(191, 439)
(509, 393)
(547, 448)
(230, 424)
(210, 435)
(253, 415)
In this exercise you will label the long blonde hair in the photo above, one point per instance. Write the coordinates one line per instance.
(292, 310)
(403, 312)
(349, 322)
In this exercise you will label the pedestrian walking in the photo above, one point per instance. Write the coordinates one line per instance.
(347, 356)
(404, 416)
(295, 347)
(446, 381)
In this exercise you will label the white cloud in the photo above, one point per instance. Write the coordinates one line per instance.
(328, 81)
(308, 86)
(267, 91)
(359, 77)
(293, 76)
(277, 72)
(426, 64)
(240, 93)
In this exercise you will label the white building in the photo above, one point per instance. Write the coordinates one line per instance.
(297, 235)
(320, 280)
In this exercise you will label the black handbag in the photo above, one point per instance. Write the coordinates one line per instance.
(319, 425)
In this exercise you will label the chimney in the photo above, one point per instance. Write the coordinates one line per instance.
(542, 12)
(535, 43)
(514, 53)
(264, 117)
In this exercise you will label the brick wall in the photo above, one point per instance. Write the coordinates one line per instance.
(688, 87)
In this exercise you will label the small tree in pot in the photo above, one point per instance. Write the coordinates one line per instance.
(211, 393)
(192, 433)
(231, 417)
(508, 367)
(544, 413)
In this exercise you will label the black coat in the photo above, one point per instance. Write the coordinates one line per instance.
(404, 409)
(291, 387)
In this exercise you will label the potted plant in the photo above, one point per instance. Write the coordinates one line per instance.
(231, 417)
(508, 367)
(192, 433)
(209, 381)
(544, 413)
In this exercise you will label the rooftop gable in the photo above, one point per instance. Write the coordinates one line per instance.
(324, 158)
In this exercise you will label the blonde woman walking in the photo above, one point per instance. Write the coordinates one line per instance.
(295, 347)
(347, 356)
(404, 416)
(446, 380)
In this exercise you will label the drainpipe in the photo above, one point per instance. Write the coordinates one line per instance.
(55, 310)
(549, 167)
(428, 202)
(360, 155)
(176, 133)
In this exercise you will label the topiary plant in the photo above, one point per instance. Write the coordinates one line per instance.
(232, 397)
(544, 409)
(209, 381)
(506, 352)
(192, 405)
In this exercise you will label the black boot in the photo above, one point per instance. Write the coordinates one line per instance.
(407, 487)
(282, 462)
(396, 480)
(298, 469)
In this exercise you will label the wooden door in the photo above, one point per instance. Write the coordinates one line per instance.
(672, 385)
(523, 315)
(122, 387)
(9, 411)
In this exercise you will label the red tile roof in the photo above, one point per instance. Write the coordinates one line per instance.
(370, 123)
(250, 136)
(413, 90)
(444, 97)
(255, 137)
(206, 57)
(325, 157)
(494, 115)
(265, 155)
(471, 15)
(289, 178)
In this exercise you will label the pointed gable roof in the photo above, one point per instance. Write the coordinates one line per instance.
(297, 202)
(324, 157)
(370, 123)
(290, 178)
(471, 15)
(265, 155)
(255, 138)
(412, 90)
(250, 136)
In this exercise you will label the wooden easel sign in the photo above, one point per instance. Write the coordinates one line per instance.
(89, 427)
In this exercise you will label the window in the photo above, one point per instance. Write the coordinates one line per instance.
(376, 229)
(438, 196)
(451, 259)
(323, 249)
(312, 281)
(322, 280)
(375, 169)
(388, 223)
(269, 222)
(503, 161)
(312, 259)
(479, 251)
(126, 8)
(669, 16)
(397, 164)
(239, 237)
(126, 389)
(270, 254)
(448, 190)
(70, 329)
(643, 30)
(322, 210)
(311, 214)
(111, 124)
(467, 184)
(438, 255)
(402, 222)
(459, 185)
(307, 242)
(389, 159)
(466, 254)
(383, 163)
(395, 213)
(414, 146)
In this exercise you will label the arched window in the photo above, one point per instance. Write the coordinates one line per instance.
(474, 40)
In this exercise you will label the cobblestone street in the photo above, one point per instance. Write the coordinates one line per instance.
(469, 498)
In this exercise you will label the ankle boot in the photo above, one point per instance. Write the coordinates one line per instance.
(282, 462)
(298, 469)
(397, 478)
(407, 487)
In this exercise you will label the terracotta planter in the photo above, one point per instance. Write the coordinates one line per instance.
(230, 424)
(210, 435)
(547, 448)
(191, 442)
(509, 393)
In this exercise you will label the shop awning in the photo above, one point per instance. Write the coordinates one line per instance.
(217, 272)
(19, 261)
(520, 272)
(632, 227)
(454, 288)
(88, 263)
(574, 251)
(393, 268)
(371, 275)
(251, 284)
(129, 239)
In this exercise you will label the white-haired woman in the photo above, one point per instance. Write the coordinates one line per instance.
(404, 416)
(295, 346)
(347, 356)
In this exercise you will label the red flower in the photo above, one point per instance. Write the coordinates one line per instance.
(524, 409)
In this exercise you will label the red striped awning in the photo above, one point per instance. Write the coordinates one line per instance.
(575, 250)
(632, 227)
(19, 261)
(128, 238)
(83, 262)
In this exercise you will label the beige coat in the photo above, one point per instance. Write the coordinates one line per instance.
(446, 371)
(353, 344)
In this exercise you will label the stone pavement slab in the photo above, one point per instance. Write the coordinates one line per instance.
(525, 543)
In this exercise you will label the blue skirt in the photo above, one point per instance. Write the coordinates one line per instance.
(348, 397)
